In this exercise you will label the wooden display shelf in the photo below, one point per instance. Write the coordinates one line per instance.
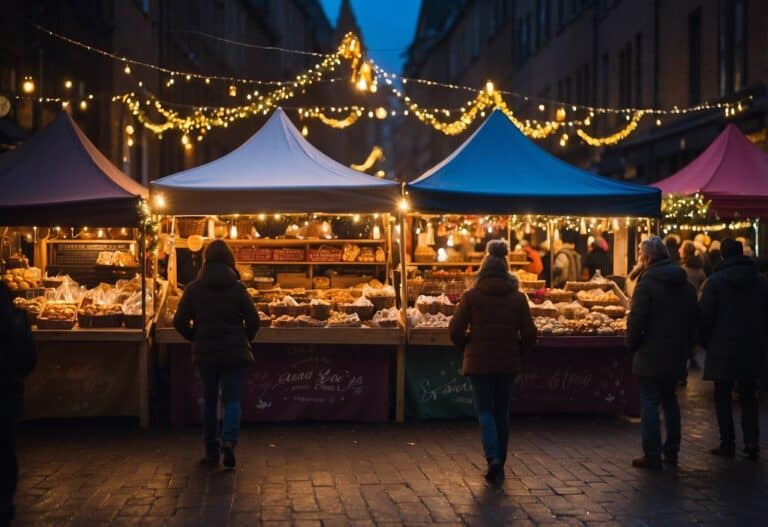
(182, 242)
(89, 335)
(270, 335)
(305, 262)
(458, 264)
(440, 337)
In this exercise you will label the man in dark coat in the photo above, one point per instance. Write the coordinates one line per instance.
(734, 332)
(219, 317)
(492, 325)
(17, 359)
(661, 330)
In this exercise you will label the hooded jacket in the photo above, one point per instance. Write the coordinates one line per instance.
(662, 323)
(218, 316)
(734, 329)
(17, 356)
(493, 326)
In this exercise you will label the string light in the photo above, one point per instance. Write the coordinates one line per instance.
(28, 86)
(615, 137)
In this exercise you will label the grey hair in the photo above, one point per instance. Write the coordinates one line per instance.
(654, 248)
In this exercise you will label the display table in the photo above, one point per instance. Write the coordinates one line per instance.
(89, 373)
(318, 374)
(589, 375)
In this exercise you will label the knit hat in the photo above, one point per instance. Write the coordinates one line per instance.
(730, 248)
(495, 261)
(219, 251)
(602, 243)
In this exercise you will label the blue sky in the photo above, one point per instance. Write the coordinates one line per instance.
(387, 25)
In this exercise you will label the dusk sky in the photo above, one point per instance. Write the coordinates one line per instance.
(387, 25)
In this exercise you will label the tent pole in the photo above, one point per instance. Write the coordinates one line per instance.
(551, 238)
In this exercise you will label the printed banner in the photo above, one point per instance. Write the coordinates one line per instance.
(294, 383)
(568, 380)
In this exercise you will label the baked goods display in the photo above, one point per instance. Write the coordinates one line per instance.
(558, 295)
(32, 307)
(387, 318)
(545, 309)
(22, 279)
(598, 297)
(116, 259)
(57, 315)
(435, 304)
(305, 321)
(344, 320)
(434, 321)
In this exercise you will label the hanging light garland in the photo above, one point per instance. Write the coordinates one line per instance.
(678, 209)
(365, 78)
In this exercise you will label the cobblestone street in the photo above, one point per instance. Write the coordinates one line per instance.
(565, 471)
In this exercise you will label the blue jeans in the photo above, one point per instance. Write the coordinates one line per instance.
(654, 393)
(491, 395)
(230, 381)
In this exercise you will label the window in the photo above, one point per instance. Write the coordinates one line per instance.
(579, 86)
(542, 22)
(625, 76)
(694, 57)
(587, 89)
(560, 14)
(606, 76)
(476, 33)
(568, 90)
(499, 12)
(639, 70)
(732, 48)
(529, 32)
(739, 45)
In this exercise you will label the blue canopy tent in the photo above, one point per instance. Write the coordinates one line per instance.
(499, 170)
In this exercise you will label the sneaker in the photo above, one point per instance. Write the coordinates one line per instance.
(228, 454)
(495, 473)
(647, 463)
(724, 450)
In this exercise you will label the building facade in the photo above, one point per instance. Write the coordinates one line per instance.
(577, 54)
(200, 36)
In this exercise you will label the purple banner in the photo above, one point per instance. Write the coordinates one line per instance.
(294, 383)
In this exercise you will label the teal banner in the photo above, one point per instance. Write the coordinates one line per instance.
(435, 387)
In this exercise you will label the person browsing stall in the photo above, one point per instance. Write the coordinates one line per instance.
(492, 325)
(218, 316)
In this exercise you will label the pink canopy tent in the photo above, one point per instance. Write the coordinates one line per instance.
(732, 173)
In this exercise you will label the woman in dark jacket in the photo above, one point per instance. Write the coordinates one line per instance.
(219, 317)
(493, 326)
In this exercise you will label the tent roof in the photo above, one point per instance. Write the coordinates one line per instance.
(499, 170)
(276, 170)
(731, 172)
(58, 177)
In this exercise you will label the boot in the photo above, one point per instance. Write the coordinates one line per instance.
(228, 454)
(647, 463)
(495, 473)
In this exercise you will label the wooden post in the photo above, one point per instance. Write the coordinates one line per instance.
(401, 349)
(621, 250)
(143, 384)
(551, 238)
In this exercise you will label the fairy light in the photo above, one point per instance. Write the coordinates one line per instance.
(28, 86)
(67, 84)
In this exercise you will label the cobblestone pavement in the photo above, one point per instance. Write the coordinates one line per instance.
(565, 471)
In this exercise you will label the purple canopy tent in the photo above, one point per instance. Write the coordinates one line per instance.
(59, 177)
(732, 173)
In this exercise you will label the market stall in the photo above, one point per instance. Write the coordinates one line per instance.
(500, 184)
(73, 249)
(313, 242)
(731, 176)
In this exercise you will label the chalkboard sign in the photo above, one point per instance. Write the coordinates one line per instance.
(78, 258)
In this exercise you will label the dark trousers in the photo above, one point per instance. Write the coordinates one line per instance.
(747, 388)
(491, 395)
(655, 393)
(230, 382)
(9, 472)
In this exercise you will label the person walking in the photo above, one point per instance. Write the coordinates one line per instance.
(492, 325)
(218, 316)
(661, 330)
(734, 333)
(17, 360)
